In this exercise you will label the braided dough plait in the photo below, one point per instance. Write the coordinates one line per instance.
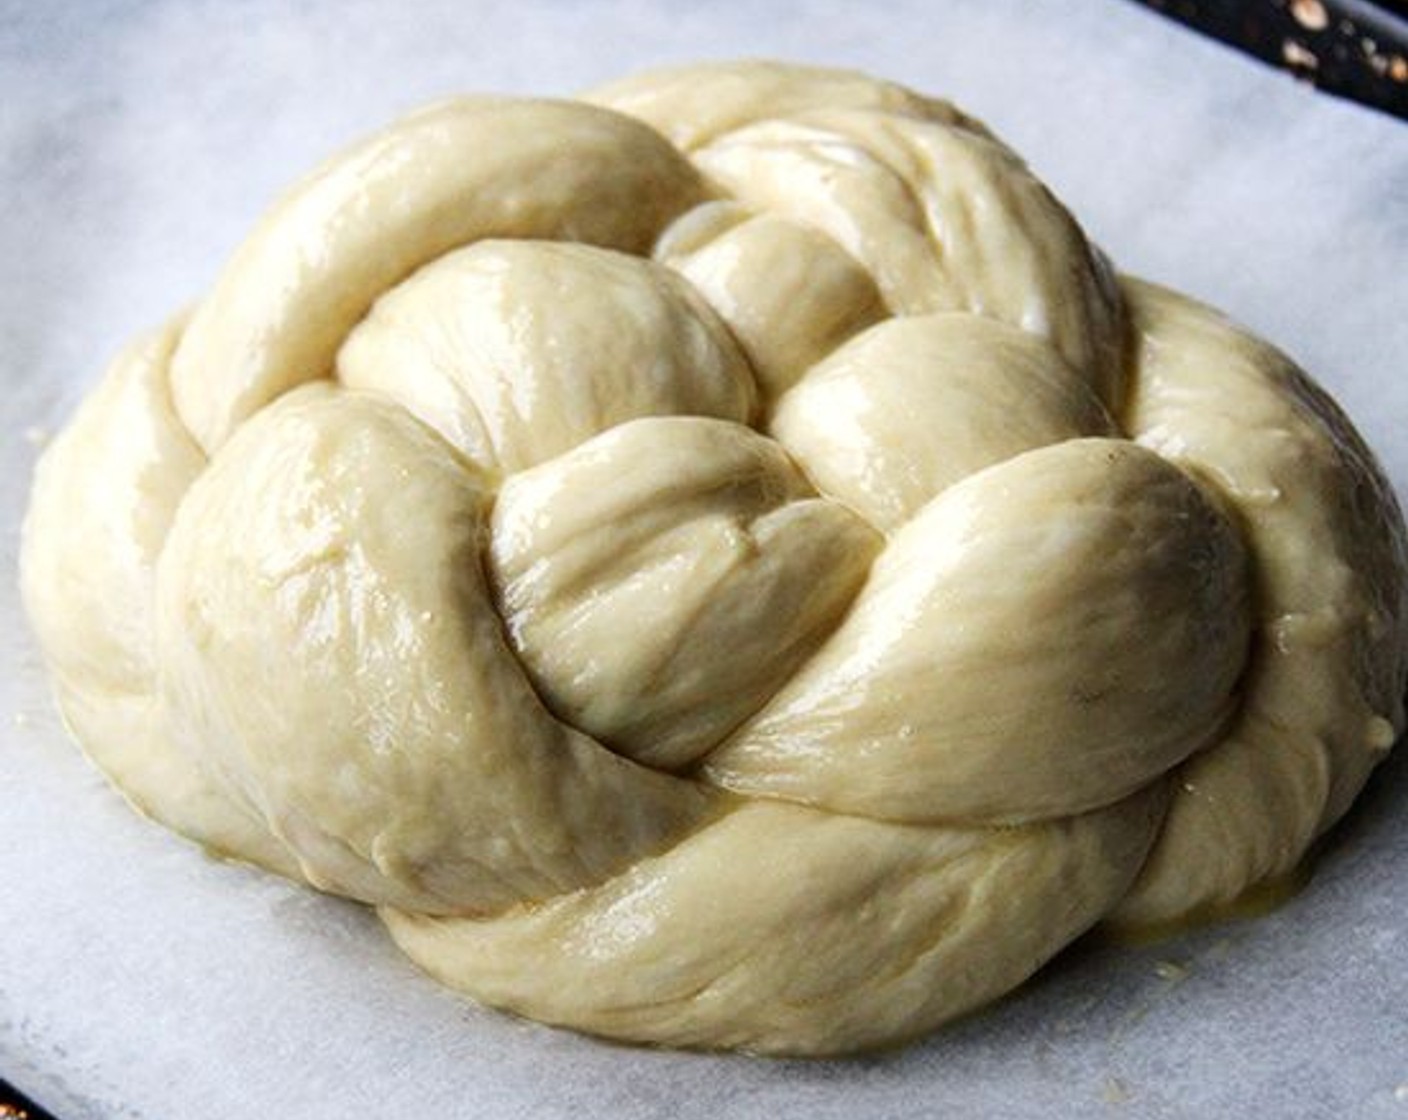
(723, 562)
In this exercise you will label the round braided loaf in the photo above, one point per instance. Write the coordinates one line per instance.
(723, 562)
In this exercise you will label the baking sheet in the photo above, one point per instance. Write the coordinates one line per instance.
(140, 979)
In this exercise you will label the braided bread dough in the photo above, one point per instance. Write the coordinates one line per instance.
(723, 562)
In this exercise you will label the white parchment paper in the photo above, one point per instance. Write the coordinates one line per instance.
(138, 979)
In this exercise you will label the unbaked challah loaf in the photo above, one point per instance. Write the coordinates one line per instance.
(723, 562)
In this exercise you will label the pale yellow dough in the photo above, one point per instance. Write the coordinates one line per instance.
(723, 562)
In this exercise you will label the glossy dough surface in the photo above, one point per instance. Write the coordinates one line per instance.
(723, 562)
